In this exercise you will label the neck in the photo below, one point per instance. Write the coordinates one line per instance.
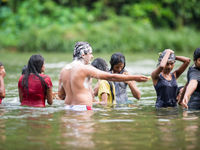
(80, 60)
(166, 73)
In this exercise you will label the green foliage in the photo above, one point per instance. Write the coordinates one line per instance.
(49, 39)
(120, 34)
(114, 25)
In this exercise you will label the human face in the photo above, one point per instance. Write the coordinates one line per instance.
(197, 63)
(87, 58)
(118, 67)
(169, 66)
(2, 71)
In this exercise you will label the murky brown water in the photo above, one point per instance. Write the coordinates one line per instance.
(137, 125)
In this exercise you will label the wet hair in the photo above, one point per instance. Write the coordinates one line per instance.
(172, 57)
(1, 64)
(117, 58)
(35, 64)
(196, 54)
(101, 64)
(81, 48)
(24, 69)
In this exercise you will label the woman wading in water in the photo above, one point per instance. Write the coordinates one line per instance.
(164, 80)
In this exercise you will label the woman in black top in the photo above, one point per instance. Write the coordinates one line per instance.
(164, 80)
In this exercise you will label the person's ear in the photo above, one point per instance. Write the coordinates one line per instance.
(198, 60)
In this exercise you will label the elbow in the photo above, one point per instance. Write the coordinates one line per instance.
(138, 96)
(50, 103)
(161, 66)
(62, 97)
(188, 61)
(2, 95)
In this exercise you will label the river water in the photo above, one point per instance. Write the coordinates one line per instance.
(136, 125)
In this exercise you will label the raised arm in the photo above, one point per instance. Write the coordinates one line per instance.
(181, 69)
(158, 70)
(189, 90)
(98, 74)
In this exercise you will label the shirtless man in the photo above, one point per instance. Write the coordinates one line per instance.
(74, 81)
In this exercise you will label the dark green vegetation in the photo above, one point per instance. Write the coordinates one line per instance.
(109, 25)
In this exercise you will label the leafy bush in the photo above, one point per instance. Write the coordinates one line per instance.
(115, 25)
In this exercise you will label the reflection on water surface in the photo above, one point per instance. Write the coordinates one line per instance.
(136, 125)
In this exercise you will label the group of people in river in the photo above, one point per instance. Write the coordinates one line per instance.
(75, 81)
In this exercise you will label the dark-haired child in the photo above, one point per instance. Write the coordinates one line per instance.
(191, 97)
(118, 64)
(164, 80)
(2, 87)
(105, 89)
(34, 87)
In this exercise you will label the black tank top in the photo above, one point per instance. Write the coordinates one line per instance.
(166, 92)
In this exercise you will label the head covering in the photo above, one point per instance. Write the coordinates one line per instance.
(172, 57)
(80, 49)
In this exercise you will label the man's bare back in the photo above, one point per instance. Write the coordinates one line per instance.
(75, 83)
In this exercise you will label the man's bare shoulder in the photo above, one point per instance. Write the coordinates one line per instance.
(74, 67)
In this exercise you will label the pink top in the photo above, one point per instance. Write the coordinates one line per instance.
(36, 92)
(0, 100)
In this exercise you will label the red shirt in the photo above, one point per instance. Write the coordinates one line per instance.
(36, 92)
(0, 100)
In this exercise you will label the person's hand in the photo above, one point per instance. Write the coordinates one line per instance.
(55, 95)
(2, 72)
(178, 97)
(169, 50)
(142, 78)
(185, 102)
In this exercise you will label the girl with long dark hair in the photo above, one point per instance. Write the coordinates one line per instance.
(118, 64)
(34, 86)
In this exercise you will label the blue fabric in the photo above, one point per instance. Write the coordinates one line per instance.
(121, 95)
(166, 92)
(120, 91)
